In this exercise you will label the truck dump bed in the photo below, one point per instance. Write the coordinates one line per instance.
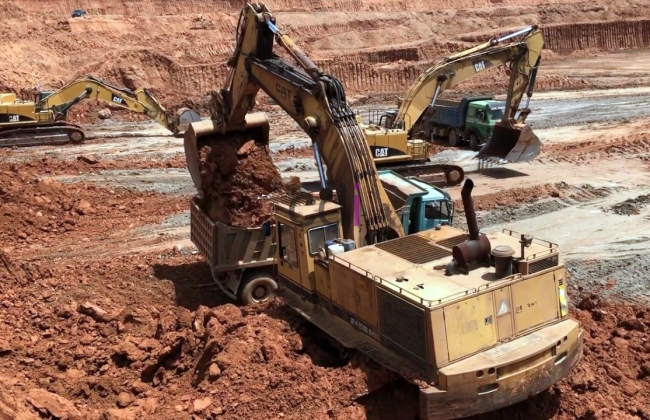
(230, 248)
(452, 113)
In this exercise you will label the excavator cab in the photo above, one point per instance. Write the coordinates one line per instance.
(513, 143)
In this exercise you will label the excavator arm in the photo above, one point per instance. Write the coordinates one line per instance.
(317, 102)
(511, 140)
(140, 101)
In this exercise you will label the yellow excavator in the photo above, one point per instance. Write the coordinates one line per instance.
(42, 121)
(479, 321)
(393, 139)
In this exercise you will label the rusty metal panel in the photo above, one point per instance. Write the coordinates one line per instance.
(202, 232)
(470, 325)
(535, 301)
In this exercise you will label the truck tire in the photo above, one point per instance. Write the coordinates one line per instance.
(473, 142)
(454, 138)
(258, 288)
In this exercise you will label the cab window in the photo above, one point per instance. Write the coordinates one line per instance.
(432, 210)
(480, 114)
(288, 250)
(436, 210)
(497, 114)
(318, 236)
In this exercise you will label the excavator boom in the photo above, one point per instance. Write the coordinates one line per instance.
(511, 139)
(317, 102)
(43, 121)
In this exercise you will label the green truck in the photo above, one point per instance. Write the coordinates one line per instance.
(470, 120)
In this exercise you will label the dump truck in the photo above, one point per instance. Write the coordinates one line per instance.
(478, 321)
(242, 259)
(469, 120)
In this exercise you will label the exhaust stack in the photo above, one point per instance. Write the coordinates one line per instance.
(477, 247)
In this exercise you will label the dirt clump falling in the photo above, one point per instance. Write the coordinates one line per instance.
(236, 175)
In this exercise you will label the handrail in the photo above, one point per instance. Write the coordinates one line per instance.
(538, 254)
(535, 240)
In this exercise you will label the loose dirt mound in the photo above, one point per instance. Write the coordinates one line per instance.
(140, 352)
(251, 354)
(603, 147)
(515, 196)
(37, 210)
(613, 380)
(631, 206)
(235, 178)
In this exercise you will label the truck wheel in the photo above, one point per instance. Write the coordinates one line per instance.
(454, 139)
(256, 289)
(473, 142)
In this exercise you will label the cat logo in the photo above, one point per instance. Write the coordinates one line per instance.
(479, 66)
(283, 91)
(381, 152)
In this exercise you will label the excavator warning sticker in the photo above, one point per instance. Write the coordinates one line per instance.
(503, 308)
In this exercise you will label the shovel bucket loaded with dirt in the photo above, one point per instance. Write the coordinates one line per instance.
(515, 143)
(255, 127)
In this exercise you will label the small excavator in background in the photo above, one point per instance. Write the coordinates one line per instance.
(394, 138)
(477, 321)
(42, 121)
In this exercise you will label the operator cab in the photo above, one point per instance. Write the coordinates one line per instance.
(421, 206)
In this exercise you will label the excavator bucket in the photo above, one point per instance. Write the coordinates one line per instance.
(256, 127)
(185, 117)
(513, 144)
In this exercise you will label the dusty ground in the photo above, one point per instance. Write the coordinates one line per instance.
(108, 311)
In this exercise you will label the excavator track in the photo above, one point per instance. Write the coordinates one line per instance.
(51, 134)
(440, 175)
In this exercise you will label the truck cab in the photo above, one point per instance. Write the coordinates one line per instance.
(421, 206)
(481, 117)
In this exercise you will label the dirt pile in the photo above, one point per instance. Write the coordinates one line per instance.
(515, 196)
(637, 142)
(249, 353)
(139, 351)
(236, 175)
(37, 210)
(613, 379)
(631, 206)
